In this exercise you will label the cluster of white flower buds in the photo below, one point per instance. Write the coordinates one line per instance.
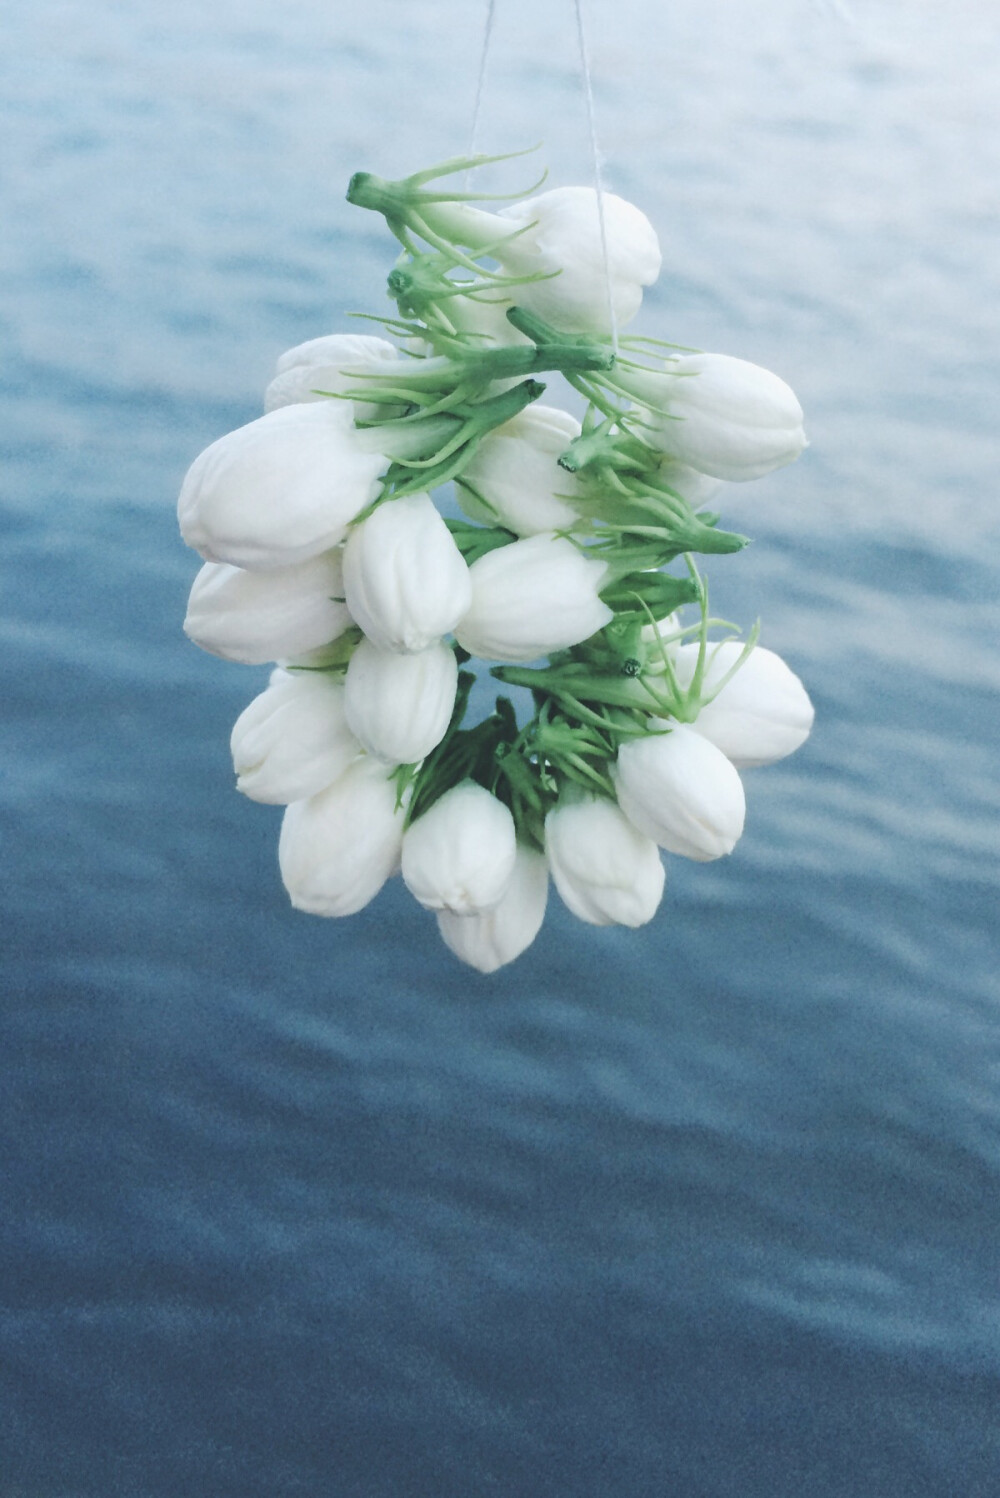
(326, 555)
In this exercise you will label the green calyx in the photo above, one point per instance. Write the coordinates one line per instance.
(430, 447)
(447, 221)
(475, 541)
(441, 383)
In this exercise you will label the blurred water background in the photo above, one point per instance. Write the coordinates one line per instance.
(295, 1207)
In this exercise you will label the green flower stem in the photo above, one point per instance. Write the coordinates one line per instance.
(526, 794)
(588, 447)
(450, 218)
(634, 548)
(442, 372)
(421, 440)
(636, 591)
(583, 685)
(474, 541)
(480, 367)
(424, 280)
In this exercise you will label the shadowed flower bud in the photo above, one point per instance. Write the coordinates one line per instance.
(334, 364)
(495, 937)
(606, 871)
(337, 849)
(532, 597)
(760, 715)
(697, 488)
(485, 317)
(459, 855)
(280, 490)
(405, 579)
(399, 706)
(293, 740)
(255, 617)
(722, 416)
(563, 233)
(682, 792)
(515, 469)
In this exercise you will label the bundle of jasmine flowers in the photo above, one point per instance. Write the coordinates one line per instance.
(573, 575)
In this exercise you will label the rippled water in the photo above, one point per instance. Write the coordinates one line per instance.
(298, 1207)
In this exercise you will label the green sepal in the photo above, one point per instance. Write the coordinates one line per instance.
(474, 541)
(582, 684)
(657, 592)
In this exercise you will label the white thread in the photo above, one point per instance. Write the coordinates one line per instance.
(480, 85)
(598, 184)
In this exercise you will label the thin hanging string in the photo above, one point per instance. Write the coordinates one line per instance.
(594, 150)
(598, 183)
(480, 86)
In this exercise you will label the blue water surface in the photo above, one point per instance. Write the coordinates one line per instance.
(295, 1207)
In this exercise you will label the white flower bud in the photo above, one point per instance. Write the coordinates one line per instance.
(563, 233)
(606, 871)
(459, 855)
(280, 490)
(293, 740)
(516, 471)
(722, 416)
(405, 580)
(532, 597)
(255, 617)
(337, 849)
(399, 706)
(682, 792)
(697, 488)
(760, 715)
(334, 364)
(495, 937)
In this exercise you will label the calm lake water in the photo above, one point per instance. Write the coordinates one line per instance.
(295, 1207)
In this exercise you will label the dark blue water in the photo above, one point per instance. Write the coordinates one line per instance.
(300, 1207)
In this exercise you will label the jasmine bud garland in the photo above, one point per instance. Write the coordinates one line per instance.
(574, 573)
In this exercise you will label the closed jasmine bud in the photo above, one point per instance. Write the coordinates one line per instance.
(495, 937)
(293, 740)
(606, 871)
(555, 234)
(399, 706)
(280, 490)
(531, 598)
(405, 580)
(722, 416)
(459, 856)
(562, 232)
(328, 366)
(516, 471)
(761, 714)
(338, 848)
(682, 792)
(255, 617)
